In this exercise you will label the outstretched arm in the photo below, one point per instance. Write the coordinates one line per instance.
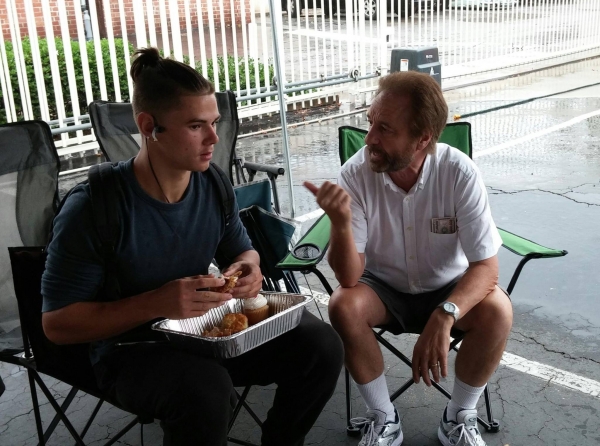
(345, 260)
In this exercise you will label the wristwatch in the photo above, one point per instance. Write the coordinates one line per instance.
(450, 308)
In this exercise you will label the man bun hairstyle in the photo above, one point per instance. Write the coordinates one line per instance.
(429, 110)
(159, 82)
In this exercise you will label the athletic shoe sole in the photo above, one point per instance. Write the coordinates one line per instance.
(442, 437)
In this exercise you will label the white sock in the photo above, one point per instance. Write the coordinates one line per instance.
(377, 397)
(464, 396)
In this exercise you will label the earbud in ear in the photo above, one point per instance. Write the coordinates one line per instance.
(154, 133)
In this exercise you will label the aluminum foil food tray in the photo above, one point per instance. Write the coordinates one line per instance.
(285, 311)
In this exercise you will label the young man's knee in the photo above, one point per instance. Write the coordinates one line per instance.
(203, 401)
(323, 345)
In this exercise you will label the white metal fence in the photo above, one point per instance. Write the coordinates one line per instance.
(52, 73)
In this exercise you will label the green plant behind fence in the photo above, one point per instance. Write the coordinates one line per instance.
(94, 80)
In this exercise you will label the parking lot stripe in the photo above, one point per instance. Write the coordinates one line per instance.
(552, 374)
(532, 368)
(534, 135)
(311, 215)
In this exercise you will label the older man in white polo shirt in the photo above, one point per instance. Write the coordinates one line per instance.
(414, 247)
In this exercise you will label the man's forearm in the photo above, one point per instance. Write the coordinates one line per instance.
(92, 321)
(479, 281)
(343, 257)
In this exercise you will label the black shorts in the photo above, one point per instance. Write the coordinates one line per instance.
(410, 311)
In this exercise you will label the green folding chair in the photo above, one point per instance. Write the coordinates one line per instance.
(312, 247)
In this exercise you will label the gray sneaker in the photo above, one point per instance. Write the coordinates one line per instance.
(462, 432)
(378, 432)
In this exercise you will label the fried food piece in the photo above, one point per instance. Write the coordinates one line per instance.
(232, 323)
(229, 283)
(235, 321)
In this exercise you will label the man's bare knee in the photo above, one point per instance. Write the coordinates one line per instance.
(493, 314)
(345, 308)
(358, 307)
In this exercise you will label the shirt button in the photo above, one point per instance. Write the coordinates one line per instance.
(409, 228)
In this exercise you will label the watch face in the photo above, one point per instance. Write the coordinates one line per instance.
(449, 307)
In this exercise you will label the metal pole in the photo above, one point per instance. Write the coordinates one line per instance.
(282, 107)
(87, 21)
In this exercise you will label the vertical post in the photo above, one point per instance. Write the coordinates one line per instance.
(99, 8)
(282, 104)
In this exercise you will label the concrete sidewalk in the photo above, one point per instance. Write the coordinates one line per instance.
(547, 389)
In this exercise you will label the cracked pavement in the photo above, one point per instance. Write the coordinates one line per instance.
(546, 190)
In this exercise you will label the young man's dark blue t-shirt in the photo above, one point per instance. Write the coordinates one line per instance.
(158, 242)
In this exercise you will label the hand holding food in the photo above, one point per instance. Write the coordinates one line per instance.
(230, 282)
(250, 278)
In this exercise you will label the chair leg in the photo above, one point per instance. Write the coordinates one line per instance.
(36, 408)
(323, 280)
(238, 406)
(515, 276)
(350, 430)
(492, 424)
(64, 406)
(242, 402)
(92, 417)
(58, 410)
(122, 432)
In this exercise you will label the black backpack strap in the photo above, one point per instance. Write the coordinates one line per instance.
(225, 191)
(105, 189)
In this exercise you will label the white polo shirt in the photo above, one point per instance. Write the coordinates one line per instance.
(393, 228)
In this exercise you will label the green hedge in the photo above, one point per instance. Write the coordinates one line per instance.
(120, 53)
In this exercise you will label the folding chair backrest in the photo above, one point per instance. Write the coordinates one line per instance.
(29, 168)
(255, 193)
(227, 129)
(119, 138)
(455, 134)
(351, 140)
(115, 129)
(458, 134)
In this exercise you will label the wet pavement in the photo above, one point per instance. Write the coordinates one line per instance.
(546, 189)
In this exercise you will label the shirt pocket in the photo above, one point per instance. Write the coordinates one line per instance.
(443, 248)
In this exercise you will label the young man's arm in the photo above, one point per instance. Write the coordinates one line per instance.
(345, 260)
(92, 321)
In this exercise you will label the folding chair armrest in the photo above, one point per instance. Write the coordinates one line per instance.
(253, 168)
(317, 235)
(527, 248)
(272, 172)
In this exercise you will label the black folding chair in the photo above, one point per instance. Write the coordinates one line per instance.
(29, 168)
(67, 363)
